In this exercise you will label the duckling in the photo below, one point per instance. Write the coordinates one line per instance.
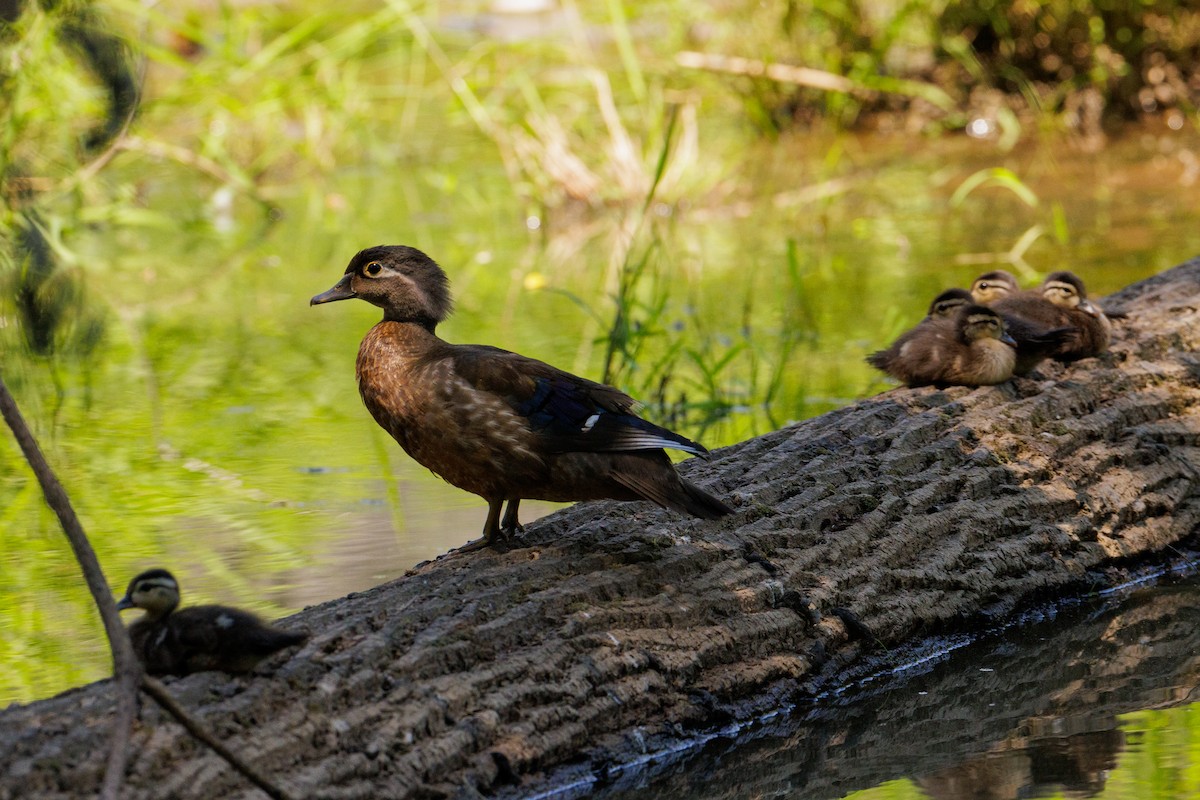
(1061, 302)
(495, 423)
(972, 349)
(1035, 342)
(991, 286)
(170, 642)
(947, 304)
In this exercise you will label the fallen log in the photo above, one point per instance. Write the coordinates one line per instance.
(612, 628)
(1029, 712)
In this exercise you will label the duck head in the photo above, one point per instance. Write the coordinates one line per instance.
(980, 322)
(948, 303)
(991, 286)
(155, 591)
(401, 280)
(1065, 289)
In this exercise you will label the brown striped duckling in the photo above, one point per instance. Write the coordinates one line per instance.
(991, 286)
(972, 349)
(498, 424)
(1061, 302)
(199, 638)
(1035, 342)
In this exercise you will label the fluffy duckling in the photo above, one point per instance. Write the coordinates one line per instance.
(1061, 302)
(1035, 342)
(170, 642)
(498, 424)
(991, 286)
(972, 349)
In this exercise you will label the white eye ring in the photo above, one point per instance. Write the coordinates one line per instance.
(373, 269)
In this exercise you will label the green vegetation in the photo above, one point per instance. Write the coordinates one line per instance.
(992, 67)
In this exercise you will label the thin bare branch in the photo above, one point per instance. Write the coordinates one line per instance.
(783, 73)
(156, 690)
(126, 669)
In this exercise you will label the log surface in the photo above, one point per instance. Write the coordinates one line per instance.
(917, 512)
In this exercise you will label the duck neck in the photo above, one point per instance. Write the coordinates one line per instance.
(428, 323)
(158, 613)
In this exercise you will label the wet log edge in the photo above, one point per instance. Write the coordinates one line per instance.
(611, 628)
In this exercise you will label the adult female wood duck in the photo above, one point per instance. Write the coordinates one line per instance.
(495, 423)
(1061, 302)
(991, 286)
(972, 349)
(199, 638)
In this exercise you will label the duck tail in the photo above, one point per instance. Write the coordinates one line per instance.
(270, 639)
(699, 503)
(673, 491)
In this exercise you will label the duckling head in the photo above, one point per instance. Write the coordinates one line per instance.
(991, 286)
(401, 280)
(980, 322)
(155, 591)
(948, 303)
(1065, 289)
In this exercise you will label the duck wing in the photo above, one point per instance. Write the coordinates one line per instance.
(567, 412)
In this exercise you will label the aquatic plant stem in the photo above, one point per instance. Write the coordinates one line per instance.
(127, 672)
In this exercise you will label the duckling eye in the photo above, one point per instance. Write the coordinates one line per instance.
(373, 269)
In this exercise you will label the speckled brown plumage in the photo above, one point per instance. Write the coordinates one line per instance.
(199, 638)
(495, 423)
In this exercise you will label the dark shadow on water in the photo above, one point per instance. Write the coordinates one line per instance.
(1027, 713)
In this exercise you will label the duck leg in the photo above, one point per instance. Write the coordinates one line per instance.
(511, 524)
(491, 530)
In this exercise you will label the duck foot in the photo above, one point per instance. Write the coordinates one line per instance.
(474, 546)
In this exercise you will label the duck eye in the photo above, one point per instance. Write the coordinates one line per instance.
(373, 269)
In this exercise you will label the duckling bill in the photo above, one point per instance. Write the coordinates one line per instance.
(970, 349)
(199, 638)
(495, 423)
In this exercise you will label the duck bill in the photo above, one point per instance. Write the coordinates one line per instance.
(1008, 340)
(1087, 307)
(340, 291)
(124, 603)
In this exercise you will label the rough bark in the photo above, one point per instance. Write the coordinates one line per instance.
(1030, 713)
(615, 627)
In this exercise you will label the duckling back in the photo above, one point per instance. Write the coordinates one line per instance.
(203, 638)
(1065, 333)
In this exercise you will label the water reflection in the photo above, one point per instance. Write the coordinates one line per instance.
(1057, 708)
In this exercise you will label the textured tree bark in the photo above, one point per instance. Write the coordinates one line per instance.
(615, 627)
(1038, 718)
